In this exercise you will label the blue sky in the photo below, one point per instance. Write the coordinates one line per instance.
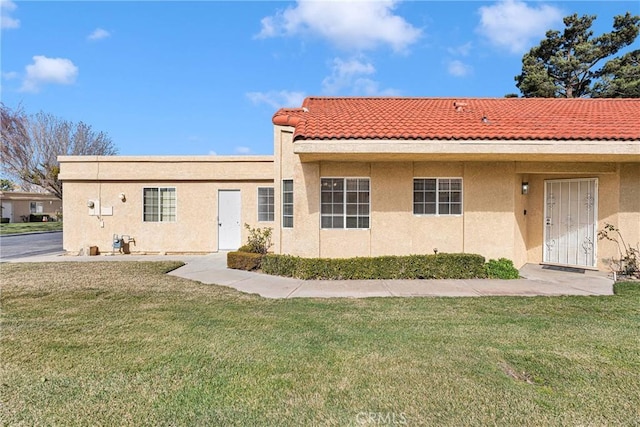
(205, 77)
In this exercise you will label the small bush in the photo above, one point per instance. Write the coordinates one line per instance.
(441, 266)
(244, 248)
(259, 240)
(501, 269)
(244, 260)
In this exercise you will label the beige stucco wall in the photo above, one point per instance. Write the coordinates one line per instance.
(161, 168)
(629, 212)
(625, 186)
(197, 184)
(487, 225)
(497, 221)
(489, 207)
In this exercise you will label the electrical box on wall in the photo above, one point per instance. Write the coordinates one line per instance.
(106, 211)
(94, 207)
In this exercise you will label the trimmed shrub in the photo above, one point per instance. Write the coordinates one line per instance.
(244, 260)
(39, 218)
(441, 266)
(501, 269)
(244, 248)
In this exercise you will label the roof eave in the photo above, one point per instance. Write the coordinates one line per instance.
(467, 150)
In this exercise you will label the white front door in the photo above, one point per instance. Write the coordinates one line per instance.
(229, 218)
(7, 210)
(571, 218)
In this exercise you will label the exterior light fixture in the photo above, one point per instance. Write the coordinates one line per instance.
(90, 204)
(525, 188)
(122, 197)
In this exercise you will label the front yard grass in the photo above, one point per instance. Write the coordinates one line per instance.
(124, 344)
(30, 227)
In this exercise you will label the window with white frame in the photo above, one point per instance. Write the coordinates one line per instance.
(344, 203)
(159, 204)
(36, 207)
(287, 203)
(437, 196)
(265, 203)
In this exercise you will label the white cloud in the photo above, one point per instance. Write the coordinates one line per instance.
(462, 50)
(345, 73)
(458, 68)
(6, 21)
(277, 99)
(242, 150)
(513, 25)
(99, 34)
(48, 70)
(352, 76)
(356, 25)
(10, 75)
(213, 153)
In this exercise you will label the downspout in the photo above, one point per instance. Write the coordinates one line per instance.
(99, 193)
(280, 185)
(319, 217)
(370, 210)
(464, 206)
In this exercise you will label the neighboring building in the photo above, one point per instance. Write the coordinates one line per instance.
(532, 180)
(19, 206)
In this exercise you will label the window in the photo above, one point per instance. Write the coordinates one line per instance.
(265, 203)
(287, 203)
(437, 196)
(159, 204)
(344, 203)
(36, 207)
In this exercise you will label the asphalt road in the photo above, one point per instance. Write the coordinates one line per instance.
(24, 245)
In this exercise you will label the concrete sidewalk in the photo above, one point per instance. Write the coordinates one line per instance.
(538, 281)
(211, 269)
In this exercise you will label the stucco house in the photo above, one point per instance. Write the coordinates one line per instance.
(532, 180)
(18, 206)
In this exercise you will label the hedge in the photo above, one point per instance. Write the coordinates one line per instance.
(501, 269)
(39, 218)
(440, 266)
(244, 260)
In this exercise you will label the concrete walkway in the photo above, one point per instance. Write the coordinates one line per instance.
(211, 269)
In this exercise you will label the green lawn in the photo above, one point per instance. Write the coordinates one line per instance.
(123, 344)
(29, 227)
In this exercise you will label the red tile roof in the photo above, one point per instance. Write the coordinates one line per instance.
(464, 119)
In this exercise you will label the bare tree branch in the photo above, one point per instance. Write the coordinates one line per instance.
(30, 146)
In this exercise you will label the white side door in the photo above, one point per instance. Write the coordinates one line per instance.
(7, 210)
(229, 219)
(571, 220)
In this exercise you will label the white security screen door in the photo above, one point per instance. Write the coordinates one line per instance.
(229, 218)
(571, 219)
